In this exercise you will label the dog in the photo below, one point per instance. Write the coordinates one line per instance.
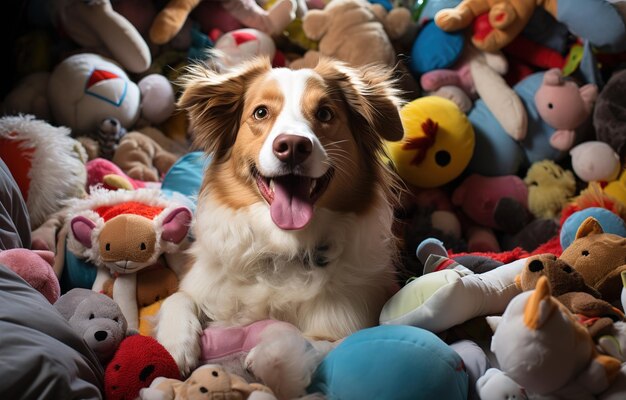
(295, 211)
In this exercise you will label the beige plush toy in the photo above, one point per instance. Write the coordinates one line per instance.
(348, 30)
(208, 382)
(142, 158)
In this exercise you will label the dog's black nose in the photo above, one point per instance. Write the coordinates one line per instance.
(100, 335)
(292, 149)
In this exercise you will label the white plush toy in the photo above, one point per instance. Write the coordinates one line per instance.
(47, 164)
(241, 45)
(86, 88)
(540, 345)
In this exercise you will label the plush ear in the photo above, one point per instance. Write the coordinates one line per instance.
(370, 94)
(214, 102)
(589, 226)
(589, 94)
(315, 24)
(553, 77)
(176, 225)
(493, 322)
(539, 306)
(82, 228)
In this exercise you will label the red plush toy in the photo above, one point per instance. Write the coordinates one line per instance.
(136, 363)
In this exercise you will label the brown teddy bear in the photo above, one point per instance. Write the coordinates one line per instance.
(599, 257)
(568, 286)
(142, 158)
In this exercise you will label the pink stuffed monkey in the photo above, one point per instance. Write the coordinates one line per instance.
(564, 106)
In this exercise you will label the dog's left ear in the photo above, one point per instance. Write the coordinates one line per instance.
(214, 101)
(371, 94)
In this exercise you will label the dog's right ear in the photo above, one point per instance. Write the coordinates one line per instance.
(214, 102)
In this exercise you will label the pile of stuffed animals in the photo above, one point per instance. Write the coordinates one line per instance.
(512, 225)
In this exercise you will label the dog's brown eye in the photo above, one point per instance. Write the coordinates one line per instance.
(324, 114)
(261, 112)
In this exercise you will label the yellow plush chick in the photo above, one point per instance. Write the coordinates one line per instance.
(438, 142)
(550, 187)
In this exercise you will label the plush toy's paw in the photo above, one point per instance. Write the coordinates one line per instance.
(562, 139)
(502, 15)
(142, 173)
(281, 15)
(167, 24)
(496, 385)
(456, 95)
(451, 20)
(492, 41)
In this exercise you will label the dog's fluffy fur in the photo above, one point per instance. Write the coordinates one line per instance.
(329, 277)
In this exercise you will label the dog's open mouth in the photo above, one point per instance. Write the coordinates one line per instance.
(292, 197)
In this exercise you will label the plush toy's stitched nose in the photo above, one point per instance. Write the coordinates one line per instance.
(535, 266)
(292, 149)
(100, 335)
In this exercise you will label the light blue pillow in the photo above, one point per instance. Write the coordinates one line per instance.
(391, 362)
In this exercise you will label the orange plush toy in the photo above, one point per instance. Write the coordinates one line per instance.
(498, 22)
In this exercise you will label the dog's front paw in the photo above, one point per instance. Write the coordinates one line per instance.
(179, 330)
(185, 349)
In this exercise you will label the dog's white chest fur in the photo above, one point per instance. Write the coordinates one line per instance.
(327, 279)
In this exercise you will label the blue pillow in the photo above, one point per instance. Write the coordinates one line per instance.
(185, 177)
(435, 49)
(608, 220)
(391, 362)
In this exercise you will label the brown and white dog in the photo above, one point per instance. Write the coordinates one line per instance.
(294, 215)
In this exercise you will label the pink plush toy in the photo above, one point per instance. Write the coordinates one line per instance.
(35, 267)
(104, 172)
(482, 197)
(564, 106)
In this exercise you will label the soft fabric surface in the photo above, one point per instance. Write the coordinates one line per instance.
(41, 357)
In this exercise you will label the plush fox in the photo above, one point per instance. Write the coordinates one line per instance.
(541, 346)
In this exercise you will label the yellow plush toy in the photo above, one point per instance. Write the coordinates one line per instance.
(438, 142)
(550, 187)
(506, 19)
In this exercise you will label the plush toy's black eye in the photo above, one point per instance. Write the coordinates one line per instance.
(534, 183)
(108, 247)
(324, 114)
(442, 158)
(91, 316)
(203, 389)
(550, 106)
(261, 113)
(585, 253)
(142, 246)
(215, 374)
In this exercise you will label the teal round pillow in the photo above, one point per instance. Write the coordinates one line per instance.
(397, 362)
(608, 220)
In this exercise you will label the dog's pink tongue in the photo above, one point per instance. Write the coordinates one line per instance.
(292, 207)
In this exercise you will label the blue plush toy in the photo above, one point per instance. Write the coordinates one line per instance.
(496, 153)
(391, 362)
